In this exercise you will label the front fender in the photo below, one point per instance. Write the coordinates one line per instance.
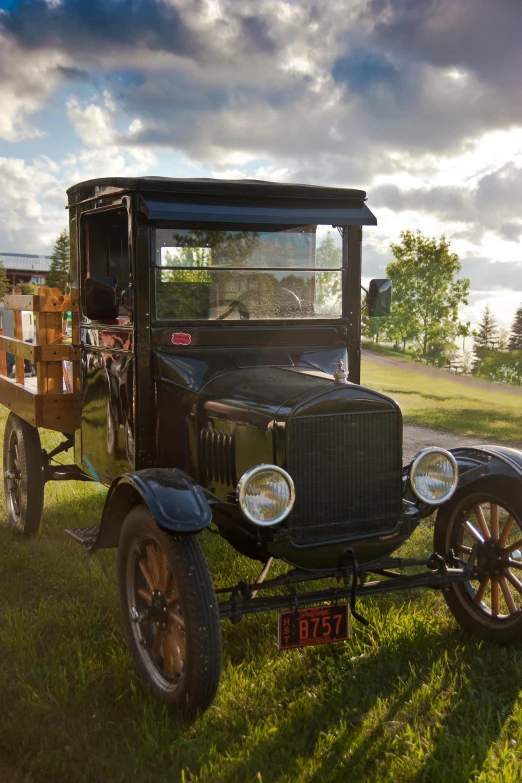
(475, 463)
(176, 502)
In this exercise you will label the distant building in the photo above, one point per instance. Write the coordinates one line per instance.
(23, 268)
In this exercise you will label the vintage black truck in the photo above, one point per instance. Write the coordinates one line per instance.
(214, 380)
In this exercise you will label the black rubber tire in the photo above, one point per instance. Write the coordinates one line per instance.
(459, 596)
(25, 503)
(198, 682)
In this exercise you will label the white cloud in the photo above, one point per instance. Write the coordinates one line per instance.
(27, 80)
(93, 124)
(32, 204)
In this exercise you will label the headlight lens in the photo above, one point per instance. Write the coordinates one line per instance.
(266, 494)
(434, 475)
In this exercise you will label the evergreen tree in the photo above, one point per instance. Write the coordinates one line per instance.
(486, 337)
(5, 284)
(515, 340)
(59, 271)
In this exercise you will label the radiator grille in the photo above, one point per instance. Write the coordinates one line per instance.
(217, 457)
(347, 473)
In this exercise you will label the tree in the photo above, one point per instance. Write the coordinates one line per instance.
(5, 285)
(374, 327)
(486, 337)
(426, 293)
(28, 288)
(328, 284)
(464, 331)
(515, 340)
(59, 271)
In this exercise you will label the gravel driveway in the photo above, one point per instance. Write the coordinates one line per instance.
(417, 438)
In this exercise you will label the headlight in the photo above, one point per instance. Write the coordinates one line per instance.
(266, 494)
(434, 475)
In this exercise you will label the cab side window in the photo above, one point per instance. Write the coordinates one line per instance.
(105, 252)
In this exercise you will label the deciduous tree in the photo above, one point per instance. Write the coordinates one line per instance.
(5, 284)
(426, 292)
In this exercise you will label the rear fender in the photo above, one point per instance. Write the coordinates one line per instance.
(176, 502)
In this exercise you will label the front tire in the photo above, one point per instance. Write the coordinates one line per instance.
(23, 475)
(489, 519)
(169, 612)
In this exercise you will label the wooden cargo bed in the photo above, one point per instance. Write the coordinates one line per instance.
(52, 398)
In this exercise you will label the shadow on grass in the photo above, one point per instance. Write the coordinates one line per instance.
(402, 701)
(407, 699)
(417, 393)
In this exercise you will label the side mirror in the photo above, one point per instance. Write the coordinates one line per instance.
(101, 301)
(379, 298)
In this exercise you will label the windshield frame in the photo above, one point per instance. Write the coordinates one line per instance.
(243, 323)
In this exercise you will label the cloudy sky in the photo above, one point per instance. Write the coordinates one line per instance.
(418, 102)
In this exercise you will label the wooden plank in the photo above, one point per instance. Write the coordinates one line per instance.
(39, 353)
(18, 347)
(19, 400)
(54, 304)
(55, 353)
(3, 361)
(39, 304)
(75, 298)
(19, 362)
(60, 412)
(18, 302)
(49, 332)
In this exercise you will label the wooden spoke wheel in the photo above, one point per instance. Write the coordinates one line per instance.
(23, 475)
(169, 612)
(487, 527)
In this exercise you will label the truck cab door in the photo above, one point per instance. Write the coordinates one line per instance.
(107, 348)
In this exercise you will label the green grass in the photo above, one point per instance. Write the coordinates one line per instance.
(388, 350)
(410, 698)
(449, 404)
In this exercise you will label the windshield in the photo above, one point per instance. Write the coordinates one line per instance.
(236, 274)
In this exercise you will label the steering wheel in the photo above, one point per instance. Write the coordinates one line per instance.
(293, 304)
(239, 305)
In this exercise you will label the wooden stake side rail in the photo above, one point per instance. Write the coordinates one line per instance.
(44, 403)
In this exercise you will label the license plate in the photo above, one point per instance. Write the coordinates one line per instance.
(317, 625)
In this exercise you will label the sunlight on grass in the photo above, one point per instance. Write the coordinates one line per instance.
(408, 698)
(447, 404)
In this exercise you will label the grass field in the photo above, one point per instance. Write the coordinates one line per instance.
(410, 698)
(449, 404)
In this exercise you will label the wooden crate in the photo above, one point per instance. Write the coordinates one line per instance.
(52, 400)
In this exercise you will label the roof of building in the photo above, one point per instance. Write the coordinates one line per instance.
(24, 262)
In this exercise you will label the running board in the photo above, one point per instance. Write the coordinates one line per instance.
(84, 535)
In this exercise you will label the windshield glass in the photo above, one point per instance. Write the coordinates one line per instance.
(235, 274)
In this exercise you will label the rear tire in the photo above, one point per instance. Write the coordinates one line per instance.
(169, 613)
(488, 516)
(23, 475)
